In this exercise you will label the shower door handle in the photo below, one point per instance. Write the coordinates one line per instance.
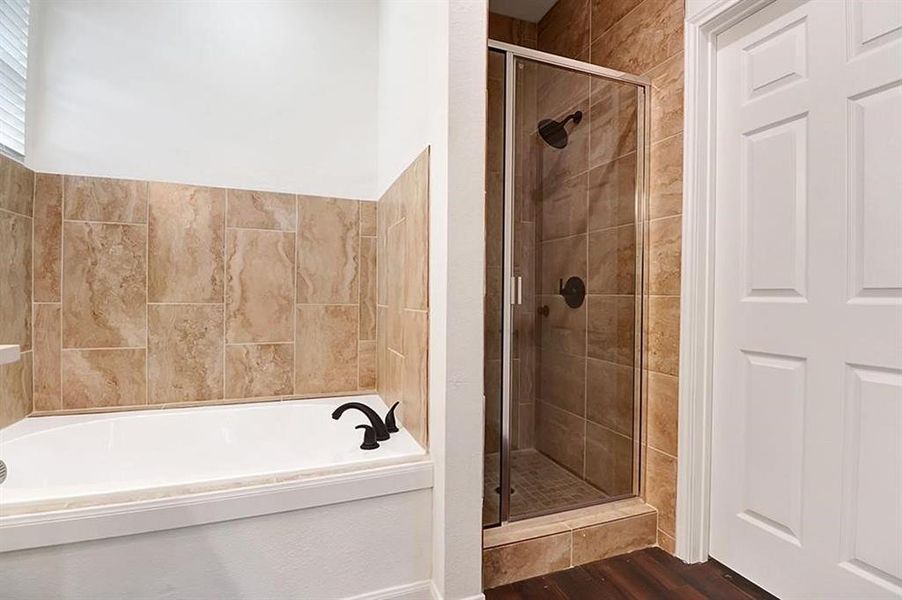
(517, 290)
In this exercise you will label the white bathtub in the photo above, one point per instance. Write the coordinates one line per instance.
(77, 477)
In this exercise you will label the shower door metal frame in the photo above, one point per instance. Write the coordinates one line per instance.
(509, 288)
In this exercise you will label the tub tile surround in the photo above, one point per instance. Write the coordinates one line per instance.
(193, 296)
(128, 294)
(16, 248)
(160, 294)
(402, 301)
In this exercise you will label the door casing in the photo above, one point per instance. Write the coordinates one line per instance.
(696, 391)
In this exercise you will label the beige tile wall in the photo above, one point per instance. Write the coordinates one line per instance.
(586, 228)
(152, 293)
(572, 370)
(402, 297)
(17, 246)
(645, 37)
(135, 294)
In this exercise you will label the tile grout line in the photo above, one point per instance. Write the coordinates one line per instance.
(260, 229)
(267, 343)
(225, 286)
(18, 214)
(295, 279)
(585, 355)
(612, 25)
(101, 348)
(659, 451)
(34, 194)
(325, 304)
(589, 232)
(359, 263)
(99, 222)
(664, 60)
(184, 303)
(666, 139)
(584, 418)
(147, 295)
(62, 276)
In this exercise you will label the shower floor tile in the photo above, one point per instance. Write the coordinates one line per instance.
(539, 484)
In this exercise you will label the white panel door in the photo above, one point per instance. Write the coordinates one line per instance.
(806, 491)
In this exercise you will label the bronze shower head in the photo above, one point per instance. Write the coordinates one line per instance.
(554, 133)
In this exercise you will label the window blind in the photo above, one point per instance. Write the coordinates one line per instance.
(13, 61)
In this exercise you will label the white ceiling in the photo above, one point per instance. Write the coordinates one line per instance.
(528, 10)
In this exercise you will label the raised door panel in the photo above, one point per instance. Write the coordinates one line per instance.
(774, 396)
(872, 24)
(774, 198)
(875, 195)
(775, 60)
(872, 479)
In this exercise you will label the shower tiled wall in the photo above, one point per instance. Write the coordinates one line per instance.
(585, 408)
(16, 248)
(572, 369)
(643, 37)
(163, 294)
(401, 288)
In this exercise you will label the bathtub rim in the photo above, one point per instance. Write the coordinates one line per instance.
(72, 525)
(29, 427)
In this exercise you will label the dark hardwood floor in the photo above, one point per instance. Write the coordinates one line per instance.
(642, 575)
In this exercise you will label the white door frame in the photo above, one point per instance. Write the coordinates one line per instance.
(697, 289)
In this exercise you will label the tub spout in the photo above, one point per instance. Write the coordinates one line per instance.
(375, 420)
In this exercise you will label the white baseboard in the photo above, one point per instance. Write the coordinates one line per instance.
(419, 590)
(436, 595)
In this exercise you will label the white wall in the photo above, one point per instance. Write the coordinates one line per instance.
(460, 424)
(333, 551)
(249, 94)
(410, 102)
(432, 92)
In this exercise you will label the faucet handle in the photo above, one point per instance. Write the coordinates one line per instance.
(390, 422)
(369, 437)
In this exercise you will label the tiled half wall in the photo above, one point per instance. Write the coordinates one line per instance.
(128, 294)
(402, 316)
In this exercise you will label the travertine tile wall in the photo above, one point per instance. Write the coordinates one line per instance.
(571, 369)
(16, 248)
(586, 228)
(152, 293)
(645, 37)
(402, 309)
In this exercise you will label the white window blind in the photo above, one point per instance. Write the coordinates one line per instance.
(13, 61)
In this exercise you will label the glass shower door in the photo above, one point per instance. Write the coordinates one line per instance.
(493, 299)
(575, 204)
(563, 378)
